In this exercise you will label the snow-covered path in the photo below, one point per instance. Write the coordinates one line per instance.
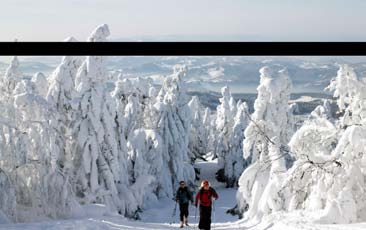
(162, 212)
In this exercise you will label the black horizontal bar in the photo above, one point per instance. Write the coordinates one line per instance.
(183, 48)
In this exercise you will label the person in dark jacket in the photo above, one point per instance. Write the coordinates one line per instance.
(183, 196)
(205, 196)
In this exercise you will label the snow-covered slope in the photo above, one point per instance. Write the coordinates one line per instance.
(159, 215)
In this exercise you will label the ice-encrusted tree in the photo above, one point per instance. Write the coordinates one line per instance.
(10, 137)
(134, 102)
(40, 184)
(322, 111)
(119, 101)
(7, 199)
(347, 89)
(146, 161)
(133, 114)
(197, 137)
(61, 95)
(150, 112)
(311, 146)
(12, 142)
(328, 173)
(40, 83)
(231, 121)
(99, 163)
(173, 125)
(265, 145)
(209, 119)
(224, 125)
(234, 163)
(10, 79)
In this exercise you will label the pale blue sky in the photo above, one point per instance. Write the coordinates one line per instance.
(247, 20)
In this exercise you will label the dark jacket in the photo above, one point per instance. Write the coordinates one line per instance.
(183, 195)
(205, 196)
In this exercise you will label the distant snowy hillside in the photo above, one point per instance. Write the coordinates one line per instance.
(212, 73)
(306, 102)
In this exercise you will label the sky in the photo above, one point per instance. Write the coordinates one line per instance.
(198, 20)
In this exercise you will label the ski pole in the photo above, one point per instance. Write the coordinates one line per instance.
(174, 211)
(195, 214)
(214, 216)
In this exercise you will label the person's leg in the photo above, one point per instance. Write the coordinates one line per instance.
(209, 210)
(205, 224)
(185, 213)
(181, 214)
(201, 223)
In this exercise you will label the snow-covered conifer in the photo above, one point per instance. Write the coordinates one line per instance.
(231, 121)
(234, 161)
(328, 172)
(174, 119)
(198, 138)
(265, 144)
(146, 157)
(224, 125)
(10, 79)
(99, 162)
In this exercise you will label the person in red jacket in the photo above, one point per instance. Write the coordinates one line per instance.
(205, 196)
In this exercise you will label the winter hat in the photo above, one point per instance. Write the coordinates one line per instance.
(204, 182)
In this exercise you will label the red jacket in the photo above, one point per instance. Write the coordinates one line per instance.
(205, 196)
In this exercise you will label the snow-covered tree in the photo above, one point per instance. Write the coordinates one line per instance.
(11, 142)
(328, 173)
(146, 157)
(224, 125)
(174, 120)
(265, 144)
(61, 94)
(322, 111)
(311, 145)
(209, 120)
(11, 139)
(40, 82)
(231, 121)
(39, 182)
(133, 114)
(101, 167)
(7, 198)
(197, 137)
(234, 161)
(135, 97)
(10, 79)
(150, 113)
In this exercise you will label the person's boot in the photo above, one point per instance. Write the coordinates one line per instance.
(186, 221)
(181, 224)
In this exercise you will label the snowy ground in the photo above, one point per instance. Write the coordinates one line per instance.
(159, 215)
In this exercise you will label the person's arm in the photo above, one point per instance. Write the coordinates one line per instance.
(190, 196)
(214, 194)
(177, 196)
